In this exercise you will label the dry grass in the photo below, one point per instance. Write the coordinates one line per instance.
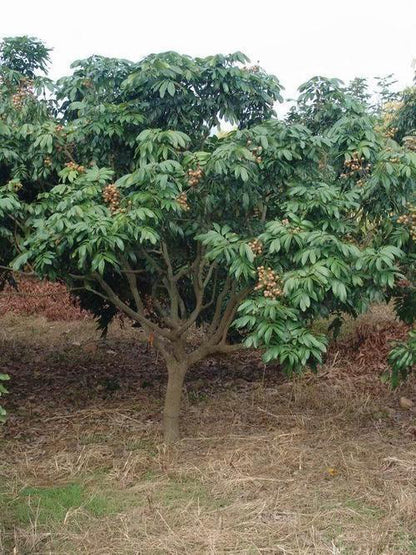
(322, 464)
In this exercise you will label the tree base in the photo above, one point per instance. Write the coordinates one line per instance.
(176, 375)
(171, 432)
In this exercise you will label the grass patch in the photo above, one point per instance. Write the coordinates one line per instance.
(93, 439)
(49, 506)
(180, 492)
(358, 506)
(146, 445)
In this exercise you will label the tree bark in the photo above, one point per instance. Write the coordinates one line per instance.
(176, 375)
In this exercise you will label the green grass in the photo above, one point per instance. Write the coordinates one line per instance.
(363, 509)
(143, 444)
(186, 489)
(50, 505)
(93, 439)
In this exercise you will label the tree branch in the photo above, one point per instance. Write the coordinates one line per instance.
(113, 298)
(8, 269)
(199, 288)
(171, 284)
(132, 281)
(218, 306)
(216, 341)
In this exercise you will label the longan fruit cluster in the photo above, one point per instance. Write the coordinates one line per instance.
(112, 197)
(124, 210)
(256, 151)
(355, 165)
(269, 282)
(18, 99)
(48, 162)
(26, 84)
(285, 221)
(257, 212)
(183, 201)
(195, 176)
(410, 142)
(390, 132)
(409, 219)
(403, 283)
(75, 167)
(256, 246)
(24, 91)
(351, 240)
(395, 159)
(59, 128)
(322, 164)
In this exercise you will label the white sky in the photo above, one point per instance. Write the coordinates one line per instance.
(294, 39)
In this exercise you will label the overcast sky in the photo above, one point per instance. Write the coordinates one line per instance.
(294, 39)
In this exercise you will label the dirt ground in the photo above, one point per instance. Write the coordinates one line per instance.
(318, 464)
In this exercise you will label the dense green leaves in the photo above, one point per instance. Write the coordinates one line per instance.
(24, 55)
(402, 358)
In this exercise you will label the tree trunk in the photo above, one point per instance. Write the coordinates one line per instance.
(176, 375)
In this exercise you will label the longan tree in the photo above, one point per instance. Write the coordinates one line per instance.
(26, 121)
(399, 121)
(117, 183)
(260, 230)
(21, 111)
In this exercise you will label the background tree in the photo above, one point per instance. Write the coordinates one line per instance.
(320, 104)
(27, 129)
(29, 139)
(388, 212)
(24, 55)
(400, 122)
